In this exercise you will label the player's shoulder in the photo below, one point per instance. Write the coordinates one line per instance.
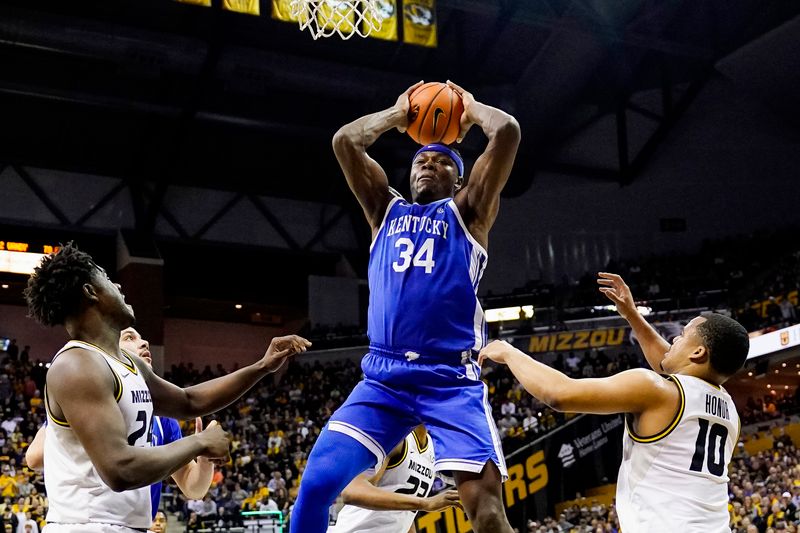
(650, 380)
(79, 369)
(77, 363)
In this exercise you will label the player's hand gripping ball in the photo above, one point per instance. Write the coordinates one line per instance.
(434, 114)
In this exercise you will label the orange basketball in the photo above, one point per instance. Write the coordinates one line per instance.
(435, 114)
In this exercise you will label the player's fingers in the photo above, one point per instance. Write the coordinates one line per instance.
(198, 424)
(608, 282)
(460, 90)
(610, 275)
(611, 295)
(212, 424)
(414, 87)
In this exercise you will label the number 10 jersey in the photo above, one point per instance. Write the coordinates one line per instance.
(424, 271)
(677, 480)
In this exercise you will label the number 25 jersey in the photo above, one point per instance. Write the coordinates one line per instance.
(677, 480)
(424, 271)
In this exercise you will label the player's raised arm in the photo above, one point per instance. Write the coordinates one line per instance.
(632, 391)
(211, 396)
(479, 200)
(365, 176)
(653, 345)
(85, 389)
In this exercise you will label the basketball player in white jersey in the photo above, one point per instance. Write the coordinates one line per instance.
(681, 428)
(100, 403)
(388, 501)
(193, 478)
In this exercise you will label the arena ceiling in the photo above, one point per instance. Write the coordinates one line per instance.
(162, 92)
(161, 96)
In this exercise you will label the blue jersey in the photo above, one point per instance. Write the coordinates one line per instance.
(165, 430)
(424, 270)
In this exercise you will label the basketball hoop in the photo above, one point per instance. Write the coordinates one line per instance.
(324, 18)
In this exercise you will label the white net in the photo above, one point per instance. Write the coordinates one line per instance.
(324, 18)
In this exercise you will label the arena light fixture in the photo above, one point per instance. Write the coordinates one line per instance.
(18, 262)
(5, 285)
(238, 306)
(509, 313)
(643, 310)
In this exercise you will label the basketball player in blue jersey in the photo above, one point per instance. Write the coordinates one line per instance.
(193, 478)
(100, 402)
(426, 325)
(681, 428)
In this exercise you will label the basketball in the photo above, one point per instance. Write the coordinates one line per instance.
(435, 114)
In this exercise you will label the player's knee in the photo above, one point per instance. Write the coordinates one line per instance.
(488, 517)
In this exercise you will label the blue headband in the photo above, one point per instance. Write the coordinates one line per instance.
(444, 150)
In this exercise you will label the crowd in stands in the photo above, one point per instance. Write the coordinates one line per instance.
(23, 502)
(276, 424)
(765, 490)
(753, 275)
(770, 407)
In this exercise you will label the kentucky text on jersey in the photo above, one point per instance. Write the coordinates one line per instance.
(420, 469)
(717, 407)
(414, 224)
(424, 271)
(140, 396)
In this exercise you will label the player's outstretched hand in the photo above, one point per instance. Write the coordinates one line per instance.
(496, 351)
(467, 118)
(281, 348)
(216, 443)
(443, 500)
(403, 105)
(615, 289)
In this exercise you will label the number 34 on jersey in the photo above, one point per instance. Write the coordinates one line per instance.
(408, 256)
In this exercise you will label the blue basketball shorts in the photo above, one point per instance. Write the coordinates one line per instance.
(449, 398)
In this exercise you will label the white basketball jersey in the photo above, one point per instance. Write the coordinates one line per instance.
(677, 480)
(77, 493)
(412, 474)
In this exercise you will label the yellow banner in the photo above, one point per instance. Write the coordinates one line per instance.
(577, 340)
(249, 7)
(204, 3)
(385, 23)
(334, 15)
(281, 10)
(419, 22)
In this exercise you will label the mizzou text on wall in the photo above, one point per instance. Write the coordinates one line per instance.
(584, 453)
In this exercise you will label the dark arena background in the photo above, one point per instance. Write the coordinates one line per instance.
(187, 147)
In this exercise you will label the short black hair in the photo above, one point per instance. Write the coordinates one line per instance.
(727, 343)
(55, 288)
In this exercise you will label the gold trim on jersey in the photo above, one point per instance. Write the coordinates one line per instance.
(131, 366)
(402, 456)
(420, 448)
(117, 384)
(62, 423)
(672, 425)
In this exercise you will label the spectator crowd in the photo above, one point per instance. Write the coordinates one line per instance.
(275, 425)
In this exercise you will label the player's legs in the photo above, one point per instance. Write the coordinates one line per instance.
(466, 444)
(373, 419)
(334, 461)
(482, 499)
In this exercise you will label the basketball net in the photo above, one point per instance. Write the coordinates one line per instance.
(324, 18)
